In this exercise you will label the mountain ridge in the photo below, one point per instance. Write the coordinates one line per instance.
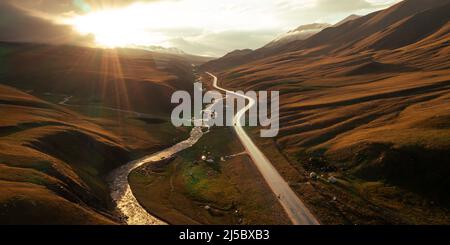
(366, 102)
(342, 37)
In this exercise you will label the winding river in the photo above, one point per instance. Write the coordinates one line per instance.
(129, 208)
(134, 214)
(130, 211)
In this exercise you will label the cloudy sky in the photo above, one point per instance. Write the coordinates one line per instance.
(203, 27)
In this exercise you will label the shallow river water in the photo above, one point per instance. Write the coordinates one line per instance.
(129, 208)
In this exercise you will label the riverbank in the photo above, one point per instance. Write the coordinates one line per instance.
(223, 189)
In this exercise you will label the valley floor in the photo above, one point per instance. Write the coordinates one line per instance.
(226, 188)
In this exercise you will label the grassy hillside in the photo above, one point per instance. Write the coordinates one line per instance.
(404, 23)
(54, 157)
(122, 78)
(366, 102)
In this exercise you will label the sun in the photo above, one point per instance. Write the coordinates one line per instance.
(116, 28)
(161, 23)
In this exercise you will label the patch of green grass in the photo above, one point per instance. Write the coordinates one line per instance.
(199, 181)
(203, 182)
(187, 185)
(193, 175)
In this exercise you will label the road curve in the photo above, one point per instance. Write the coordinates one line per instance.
(296, 210)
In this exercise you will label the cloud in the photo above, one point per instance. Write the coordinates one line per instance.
(334, 6)
(216, 44)
(196, 26)
(78, 6)
(17, 25)
(288, 14)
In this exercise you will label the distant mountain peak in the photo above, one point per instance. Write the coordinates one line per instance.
(300, 33)
(347, 19)
(238, 52)
(403, 24)
(310, 27)
(161, 49)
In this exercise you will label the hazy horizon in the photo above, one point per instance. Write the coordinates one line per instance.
(197, 27)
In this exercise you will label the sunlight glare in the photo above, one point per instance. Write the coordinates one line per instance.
(116, 28)
(146, 23)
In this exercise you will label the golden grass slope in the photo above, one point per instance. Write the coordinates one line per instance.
(122, 78)
(54, 158)
(43, 179)
(370, 100)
